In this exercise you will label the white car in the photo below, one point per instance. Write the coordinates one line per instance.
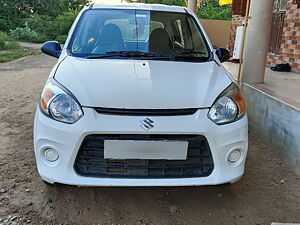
(139, 97)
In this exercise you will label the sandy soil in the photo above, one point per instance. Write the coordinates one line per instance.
(268, 192)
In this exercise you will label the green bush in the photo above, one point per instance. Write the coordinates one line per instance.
(64, 22)
(40, 38)
(3, 39)
(212, 10)
(24, 34)
(41, 24)
(48, 28)
(61, 39)
(166, 2)
(43, 19)
(7, 42)
(12, 44)
(5, 24)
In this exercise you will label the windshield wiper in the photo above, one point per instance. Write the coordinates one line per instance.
(133, 53)
(151, 55)
(124, 54)
(189, 54)
(103, 56)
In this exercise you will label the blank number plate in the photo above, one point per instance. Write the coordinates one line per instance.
(167, 150)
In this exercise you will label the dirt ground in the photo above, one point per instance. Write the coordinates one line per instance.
(268, 192)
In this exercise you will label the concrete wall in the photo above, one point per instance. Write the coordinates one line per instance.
(218, 31)
(277, 123)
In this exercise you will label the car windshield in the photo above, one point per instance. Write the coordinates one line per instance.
(138, 33)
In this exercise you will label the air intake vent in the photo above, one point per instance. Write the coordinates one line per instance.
(90, 160)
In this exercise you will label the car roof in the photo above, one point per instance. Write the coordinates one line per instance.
(140, 6)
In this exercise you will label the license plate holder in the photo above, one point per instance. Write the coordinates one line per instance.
(156, 150)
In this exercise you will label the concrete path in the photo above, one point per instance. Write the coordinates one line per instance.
(282, 85)
(30, 45)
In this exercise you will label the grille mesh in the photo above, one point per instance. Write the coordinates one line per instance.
(90, 160)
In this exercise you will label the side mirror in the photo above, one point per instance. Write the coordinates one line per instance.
(51, 48)
(223, 54)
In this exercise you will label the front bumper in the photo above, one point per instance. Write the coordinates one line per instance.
(67, 138)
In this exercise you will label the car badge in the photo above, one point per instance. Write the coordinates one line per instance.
(147, 124)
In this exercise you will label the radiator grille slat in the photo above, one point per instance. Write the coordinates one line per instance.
(147, 112)
(90, 160)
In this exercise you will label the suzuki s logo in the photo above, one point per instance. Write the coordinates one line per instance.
(147, 124)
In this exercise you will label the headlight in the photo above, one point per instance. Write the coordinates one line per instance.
(229, 106)
(59, 104)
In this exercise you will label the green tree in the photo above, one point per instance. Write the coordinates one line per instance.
(212, 10)
(165, 2)
(13, 12)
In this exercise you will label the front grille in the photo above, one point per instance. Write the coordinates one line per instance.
(90, 160)
(147, 112)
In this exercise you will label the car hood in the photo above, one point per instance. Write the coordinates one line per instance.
(142, 84)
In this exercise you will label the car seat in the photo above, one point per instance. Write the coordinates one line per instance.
(109, 39)
(160, 42)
